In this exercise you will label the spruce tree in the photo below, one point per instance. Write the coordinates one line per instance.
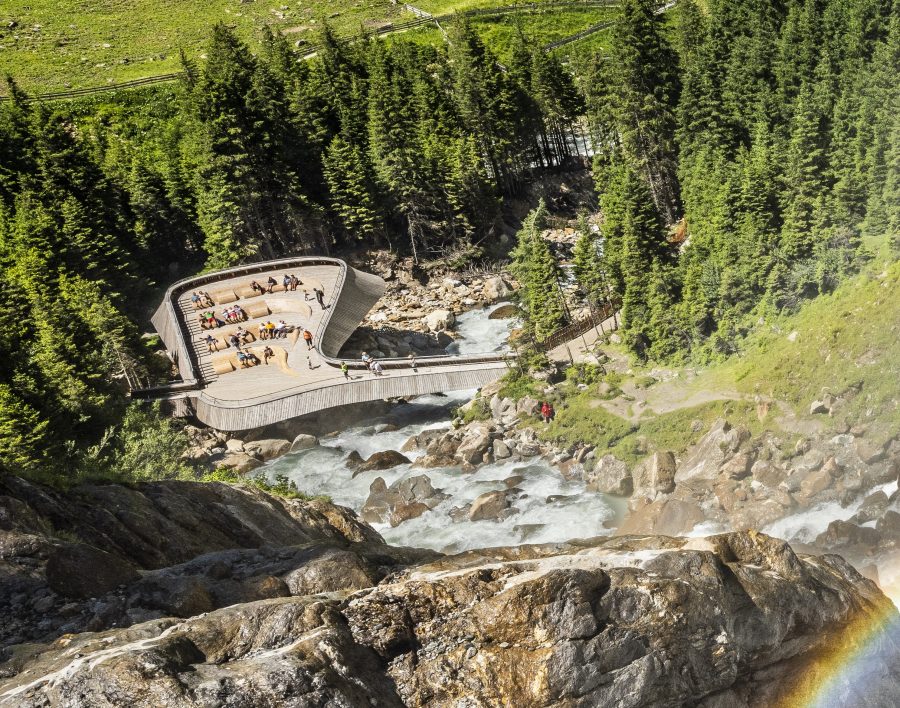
(538, 273)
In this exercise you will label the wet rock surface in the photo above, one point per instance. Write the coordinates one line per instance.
(95, 557)
(736, 619)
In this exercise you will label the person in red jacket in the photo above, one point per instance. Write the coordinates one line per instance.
(545, 412)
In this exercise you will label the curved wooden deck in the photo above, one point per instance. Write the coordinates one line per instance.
(298, 380)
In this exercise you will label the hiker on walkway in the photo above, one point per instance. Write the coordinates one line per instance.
(307, 335)
(270, 283)
(345, 370)
(267, 354)
(211, 343)
(412, 363)
(320, 296)
(376, 368)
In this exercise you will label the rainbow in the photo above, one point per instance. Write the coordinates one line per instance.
(852, 664)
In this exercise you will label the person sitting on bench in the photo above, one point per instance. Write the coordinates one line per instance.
(197, 300)
(211, 343)
(295, 281)
(257, 288)
(270, 283)
(207, 300)
(286, 282)
(242, 334)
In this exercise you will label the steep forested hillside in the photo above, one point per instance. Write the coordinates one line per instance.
(773, 133)
(746, 158)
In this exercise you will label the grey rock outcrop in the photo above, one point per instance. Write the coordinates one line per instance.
(610, 476)
(405, 499)
(624, 622)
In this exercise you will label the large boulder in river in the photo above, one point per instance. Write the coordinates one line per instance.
(504, 312)
(655, 475)
(492, 506)
(736, 620)
(268, 449)
(610, 476)
(405, 499)
(303, 441)
(383, 460)
(439, 320)
(476, 443)
(494, 288)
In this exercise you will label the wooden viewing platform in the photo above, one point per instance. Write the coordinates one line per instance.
(297, 381)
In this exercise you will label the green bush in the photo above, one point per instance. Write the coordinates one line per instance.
(585, 373)
(281, 486)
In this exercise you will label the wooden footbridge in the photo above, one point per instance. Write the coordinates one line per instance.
(298, 380)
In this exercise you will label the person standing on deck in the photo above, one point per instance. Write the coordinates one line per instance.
(345, 370)
(267, 354)
(307, 336)
(320, 296)
(412, 363)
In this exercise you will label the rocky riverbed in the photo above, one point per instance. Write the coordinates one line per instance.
(187, 594)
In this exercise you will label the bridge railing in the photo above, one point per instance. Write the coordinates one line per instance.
(576, 329)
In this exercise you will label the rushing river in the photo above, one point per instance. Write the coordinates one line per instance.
(550, 509)
(572, 513)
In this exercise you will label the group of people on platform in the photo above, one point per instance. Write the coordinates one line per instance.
(230, 315)
(201, 298)
(289, 282)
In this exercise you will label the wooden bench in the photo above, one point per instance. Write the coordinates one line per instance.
(257, 309)
(228, 362)
(280, 305)
(223, 297)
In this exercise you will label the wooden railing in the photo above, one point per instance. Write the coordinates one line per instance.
(576, 329)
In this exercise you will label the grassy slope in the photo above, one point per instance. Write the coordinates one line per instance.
(144, 36)
(848, 338)
(60, 44)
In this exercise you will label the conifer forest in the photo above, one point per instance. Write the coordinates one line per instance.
(745, 155)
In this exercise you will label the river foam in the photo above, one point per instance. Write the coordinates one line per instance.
(550, 509)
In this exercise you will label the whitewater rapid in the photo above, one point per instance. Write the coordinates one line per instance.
(550, 508)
